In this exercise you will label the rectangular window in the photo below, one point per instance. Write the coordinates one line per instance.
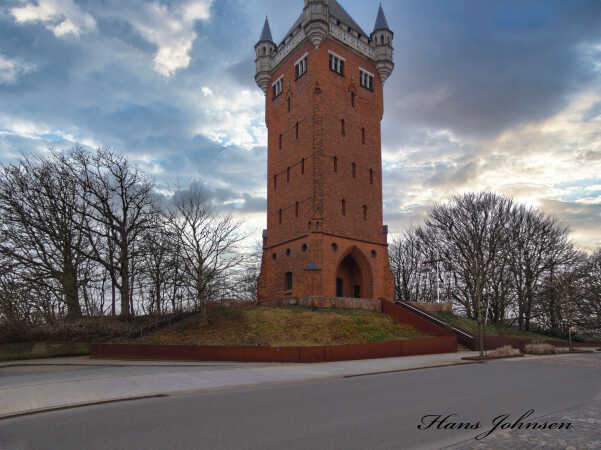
(280, 141)
(280, 216)
(275, 182)
(278, 86)
(353, 99)
(337, 63)
(342, 128)
(343, 207)
(296, 130)
(297, 209)
(335, 164)
(300, 67)
(303, 166)
(364, 212)
(363, 135)
(288, 281)
(371, 176)
(366, 79)
(354, 170)
(288, 175)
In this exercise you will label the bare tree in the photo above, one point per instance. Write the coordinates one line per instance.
(120, 209)
(207, 244)
(470, 236)
(42, 214)
(537, 244)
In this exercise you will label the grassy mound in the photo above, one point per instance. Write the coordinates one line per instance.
(471, 326)
(286, 326)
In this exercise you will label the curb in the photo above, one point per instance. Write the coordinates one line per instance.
(31, 412)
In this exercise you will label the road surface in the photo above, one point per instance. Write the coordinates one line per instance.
(366, 412)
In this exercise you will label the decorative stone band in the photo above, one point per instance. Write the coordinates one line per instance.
(335, 31)
(279, 56)
(352, 41)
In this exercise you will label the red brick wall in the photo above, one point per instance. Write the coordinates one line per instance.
(405, 315)
(320, 99)
(273, 354)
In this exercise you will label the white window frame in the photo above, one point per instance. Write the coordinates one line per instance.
(368, 76)
(337, 63)
(278, 86)
(300, 66)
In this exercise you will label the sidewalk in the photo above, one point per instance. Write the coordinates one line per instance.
(39, 385)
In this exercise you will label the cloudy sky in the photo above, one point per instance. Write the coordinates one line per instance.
(502, 95)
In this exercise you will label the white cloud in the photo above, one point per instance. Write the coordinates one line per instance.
(171, 29)
(233, 121)
(11, 69)
(62, 17)
(543, 163)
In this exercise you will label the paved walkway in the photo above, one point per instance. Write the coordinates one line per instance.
(38, 385)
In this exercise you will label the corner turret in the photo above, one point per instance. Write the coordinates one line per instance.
(264, 49)
(382, 37)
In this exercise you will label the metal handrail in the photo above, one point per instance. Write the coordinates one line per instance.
(436, 319)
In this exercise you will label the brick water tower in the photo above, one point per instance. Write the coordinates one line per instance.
(324, 104)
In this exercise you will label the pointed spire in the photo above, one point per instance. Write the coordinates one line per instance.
(266, 33)
(381, 22)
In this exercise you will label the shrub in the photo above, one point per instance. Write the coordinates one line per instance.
(543, 349)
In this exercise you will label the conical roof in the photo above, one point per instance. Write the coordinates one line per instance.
(266, 33)
(381, 22)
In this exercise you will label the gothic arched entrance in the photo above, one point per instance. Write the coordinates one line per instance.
(353, 275)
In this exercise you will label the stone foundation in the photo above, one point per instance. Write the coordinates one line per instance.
(328, 302)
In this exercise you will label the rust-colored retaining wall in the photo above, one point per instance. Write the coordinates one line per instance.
(405, 315)
(427, 346)
(367, 304)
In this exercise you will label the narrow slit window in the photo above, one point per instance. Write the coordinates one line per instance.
(303, 166)
(296, 130)
(364, 212)
(289, 104)
(363, 136)
(280, 216)
(335, 164)
(297, 209)
(288, 175)
(353, 99)
(288, 281)
(371, 176)
(354, 170)
(342, 127)
(275, 182)
(280, 140)
(343, 207)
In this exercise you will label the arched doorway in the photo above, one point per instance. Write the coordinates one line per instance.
(353, 275)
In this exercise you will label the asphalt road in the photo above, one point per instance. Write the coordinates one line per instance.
(367, 412)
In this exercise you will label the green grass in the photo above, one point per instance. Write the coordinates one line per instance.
(286, 326)
(14, 352)
(471, 326)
